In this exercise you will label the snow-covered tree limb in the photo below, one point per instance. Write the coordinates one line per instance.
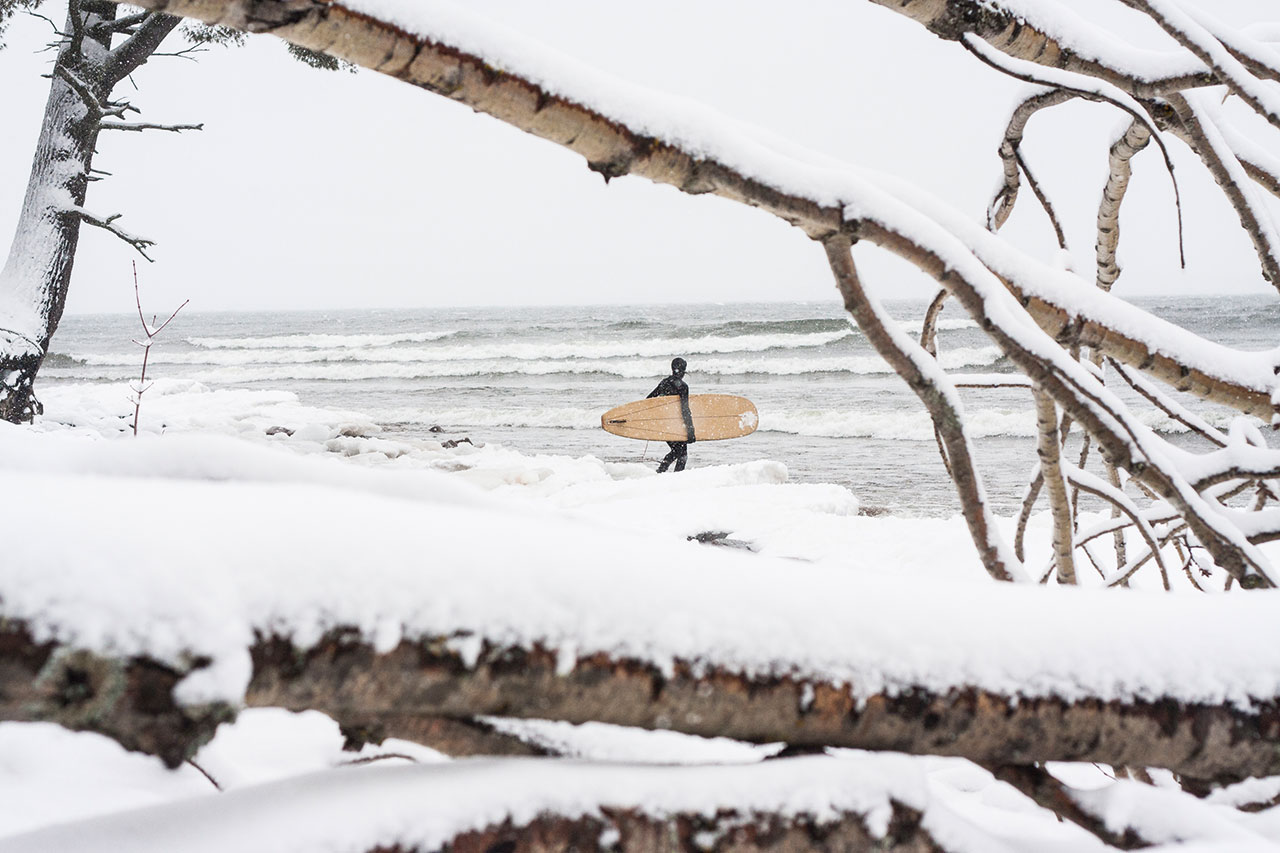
(130, 700)
(1197, 118)
(1133, 140)
(1184, 28)
(1049, 449)
(1020, 36)
(1169, 406)
(1041, 787)
(140, 244)
(1006, 196)
(139, 126)
(921, 372)
(139, 47)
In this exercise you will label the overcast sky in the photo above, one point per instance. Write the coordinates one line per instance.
(310, 189)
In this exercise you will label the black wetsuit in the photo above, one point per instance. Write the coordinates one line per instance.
(674, 386)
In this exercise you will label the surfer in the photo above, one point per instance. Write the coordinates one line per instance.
(674, 386)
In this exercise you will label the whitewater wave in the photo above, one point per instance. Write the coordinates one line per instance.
(891, 425)
(318, 340)
(519, 351)
(955, 324)
(345, 371)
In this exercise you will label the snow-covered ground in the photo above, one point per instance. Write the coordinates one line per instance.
(206, 528)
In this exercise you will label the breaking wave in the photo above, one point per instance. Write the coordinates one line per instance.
(255, 370)
(317, 340)
(514, 350)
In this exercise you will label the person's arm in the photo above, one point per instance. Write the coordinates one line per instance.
(663, 389)
(684, 411)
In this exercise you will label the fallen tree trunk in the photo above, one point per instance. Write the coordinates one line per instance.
(508, 805)
(131, 701)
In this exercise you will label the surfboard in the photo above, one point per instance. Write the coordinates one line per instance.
(715, 417)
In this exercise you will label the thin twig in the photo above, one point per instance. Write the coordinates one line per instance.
(150, 334)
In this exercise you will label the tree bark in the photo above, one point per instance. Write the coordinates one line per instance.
(1050, 451)
(130, 700)
(637, 832)
(943, 409)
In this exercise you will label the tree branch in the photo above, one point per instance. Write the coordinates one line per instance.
(1049, 449)
(1205, 46)
(138, 127)
(139, 47)
(1119, 171)
(1089, 89)
(1001, 205)
(140, 244)
(1169, 406)
(1198, 123)
(922, 374)
(1046, 791)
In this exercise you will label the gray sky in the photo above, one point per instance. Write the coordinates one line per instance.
(325, 190)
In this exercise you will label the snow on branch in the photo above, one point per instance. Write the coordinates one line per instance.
(1085, 87)
(1178, 22)
(1056, 36)
(138, 127)
(97, 109)
(140, 244)
(1001, 205)
(1200, 119)
(135, 50)
(922, 373)
(1133, 140)
(861, 802)
(1168, 405)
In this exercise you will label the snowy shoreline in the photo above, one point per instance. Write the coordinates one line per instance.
(192, 544)
(205, 531)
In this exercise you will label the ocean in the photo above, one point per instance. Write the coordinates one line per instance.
(538, 379)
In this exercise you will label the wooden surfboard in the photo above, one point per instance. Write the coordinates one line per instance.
(715, 417)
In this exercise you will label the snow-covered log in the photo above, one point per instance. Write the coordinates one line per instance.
(431, 615)
(811, 804)
(409, 688)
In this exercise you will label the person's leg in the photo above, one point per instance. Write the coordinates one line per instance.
(681, 449)
(669, 458)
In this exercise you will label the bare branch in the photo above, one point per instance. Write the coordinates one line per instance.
(1049, 449)
(1043, 199)
(138, 127)
(1094, 90)
(140, 244)
(1085, 482)
(1046, 791)
(135, 51)
(1024, 515)
(1001, 205)
(1168, 405)
(921, 373)
(1198, 123)
(150, 334)
(1133, 140)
